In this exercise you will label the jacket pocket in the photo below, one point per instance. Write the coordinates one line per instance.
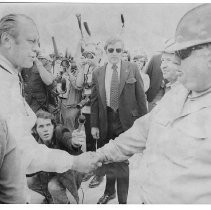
(196, 132)
(131, 80)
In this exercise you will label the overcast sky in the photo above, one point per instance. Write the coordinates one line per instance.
(147, 26)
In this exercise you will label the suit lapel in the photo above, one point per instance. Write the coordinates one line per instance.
(124, 71)
(101, 82)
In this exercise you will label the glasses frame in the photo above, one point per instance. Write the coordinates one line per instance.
(111, 50)
(185, 53)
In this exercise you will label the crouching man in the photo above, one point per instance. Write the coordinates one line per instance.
(50, 184)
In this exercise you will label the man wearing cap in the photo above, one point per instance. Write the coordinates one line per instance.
(88, 63)
(19, 40)
(175, 137)
(170, 64)
(39, 83)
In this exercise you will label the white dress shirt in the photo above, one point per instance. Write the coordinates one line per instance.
(108, 77)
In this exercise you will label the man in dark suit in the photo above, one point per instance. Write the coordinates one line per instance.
(157, 84)
(117, 100)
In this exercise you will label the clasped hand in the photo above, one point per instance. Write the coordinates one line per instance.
(86, 162)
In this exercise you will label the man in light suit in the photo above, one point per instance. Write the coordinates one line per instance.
(117, 100)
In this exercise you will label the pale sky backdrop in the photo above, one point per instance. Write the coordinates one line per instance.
(147, 26)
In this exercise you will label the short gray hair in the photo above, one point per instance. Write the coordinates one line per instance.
(112, 41)
(9, 24)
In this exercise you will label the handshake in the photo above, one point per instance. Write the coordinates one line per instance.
(88, 161)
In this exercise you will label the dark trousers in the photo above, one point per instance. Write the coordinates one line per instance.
(90, 141)
(119, 171)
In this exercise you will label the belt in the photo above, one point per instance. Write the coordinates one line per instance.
(109, 109)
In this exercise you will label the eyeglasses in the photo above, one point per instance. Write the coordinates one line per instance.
(111, 50)
(89, 55)
(185, 53)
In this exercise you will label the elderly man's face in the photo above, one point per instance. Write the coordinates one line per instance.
(114, 52)
(44, 129)
(195, 71)
(24, 47)
(170, 65)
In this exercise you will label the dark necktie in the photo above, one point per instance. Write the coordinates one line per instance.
(114, 92)
(21, 84)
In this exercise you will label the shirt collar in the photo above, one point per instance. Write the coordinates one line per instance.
(118, 65)
(171, 85)
(197, 95)
(7, 65)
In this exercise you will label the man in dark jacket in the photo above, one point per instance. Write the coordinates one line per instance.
(157, 84)
(117, 100)
(52, 185)
(39, 84)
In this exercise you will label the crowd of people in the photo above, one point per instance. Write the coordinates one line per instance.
(102, 106)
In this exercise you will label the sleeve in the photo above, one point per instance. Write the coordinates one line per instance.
(94, 103)
(38, 157)
(3, 142)
(128, 143)
(149, 67)
(140, 94)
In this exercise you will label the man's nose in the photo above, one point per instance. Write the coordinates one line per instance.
(36, 47)
(163, 64)
(45, 129)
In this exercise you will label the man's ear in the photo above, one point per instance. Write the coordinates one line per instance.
(6, 40)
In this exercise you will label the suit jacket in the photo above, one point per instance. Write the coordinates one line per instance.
(155, 76)
(132, 102)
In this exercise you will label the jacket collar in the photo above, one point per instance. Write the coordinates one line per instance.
(6, 64)
(124, 71)
(174, 104)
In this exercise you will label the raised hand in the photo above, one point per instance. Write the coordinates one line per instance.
(95, 133)
(78, 138)
(86, 162)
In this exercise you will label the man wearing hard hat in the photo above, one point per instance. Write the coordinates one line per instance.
(175, 137)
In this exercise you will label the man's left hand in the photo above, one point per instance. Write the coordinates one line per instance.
(86, 162)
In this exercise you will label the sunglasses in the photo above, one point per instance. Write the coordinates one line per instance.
(185, 53)
(111, 50)
(88, 55)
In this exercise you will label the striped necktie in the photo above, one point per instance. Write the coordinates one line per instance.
(114, 92)
(21, 84)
